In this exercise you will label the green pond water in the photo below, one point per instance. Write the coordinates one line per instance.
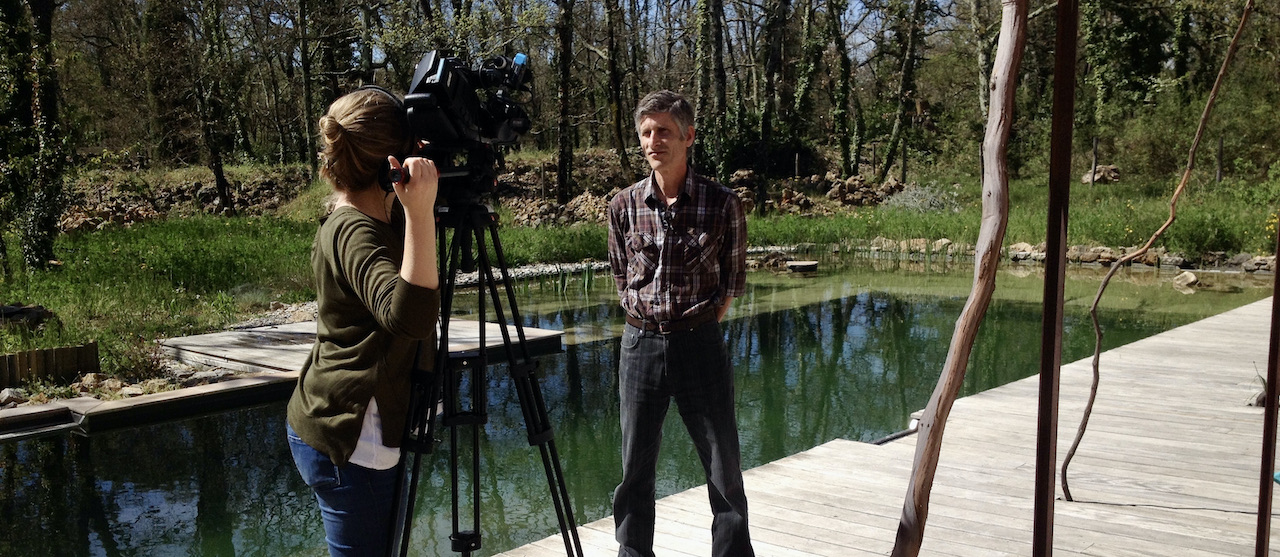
(848, 352)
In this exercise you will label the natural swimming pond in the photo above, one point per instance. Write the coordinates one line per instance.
(849, 352)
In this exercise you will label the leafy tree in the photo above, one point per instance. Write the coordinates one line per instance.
(16, 120)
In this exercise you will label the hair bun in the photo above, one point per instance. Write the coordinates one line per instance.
(331, 128)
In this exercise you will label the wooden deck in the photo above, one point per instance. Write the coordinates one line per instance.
(269, 357)
(1169, 466)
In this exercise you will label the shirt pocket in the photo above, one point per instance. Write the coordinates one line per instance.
(700, 250)
(643, 263)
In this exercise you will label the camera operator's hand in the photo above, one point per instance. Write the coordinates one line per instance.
(418, 196)
(418, 193)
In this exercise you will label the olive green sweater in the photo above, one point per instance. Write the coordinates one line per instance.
(366, 334)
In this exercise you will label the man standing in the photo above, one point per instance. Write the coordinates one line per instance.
(677, 247)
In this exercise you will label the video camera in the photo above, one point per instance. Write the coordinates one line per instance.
(464, 114)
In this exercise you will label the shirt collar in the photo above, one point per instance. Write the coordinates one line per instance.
(691, 191)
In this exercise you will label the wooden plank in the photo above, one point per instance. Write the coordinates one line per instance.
(1169, 465)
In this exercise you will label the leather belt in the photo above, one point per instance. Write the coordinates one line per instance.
(678, 325)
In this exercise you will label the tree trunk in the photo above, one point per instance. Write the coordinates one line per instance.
(906, 85)
(712, 131)
(613, 28)
(843, 88)
(308, 109)
(15, 55)
(810, 56)
(995, 216)
(564, 60)
(978, 25)
(45, 206)
(719, 82)
(775, 26)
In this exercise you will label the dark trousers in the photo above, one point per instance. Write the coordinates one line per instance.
(692, 367)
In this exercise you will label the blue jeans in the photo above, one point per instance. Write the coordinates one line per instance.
(355, 501)
(693, 368)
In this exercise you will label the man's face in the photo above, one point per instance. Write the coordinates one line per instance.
(662, 142)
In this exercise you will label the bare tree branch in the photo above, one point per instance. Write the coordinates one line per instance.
(1173, 213)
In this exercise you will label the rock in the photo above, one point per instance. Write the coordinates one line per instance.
(12, 396)
(1106, 256)
(1151, 258)
(1257, 263)
(942, 246)
(918, 245)
(156, 385)
(1020, 251)
(1101, 174)
(130, 391)
(1173, 260)
(802, 266)
(92, 380)
(1240, 259)
(1186, 279)
(1073, 253)
(204, 377)
(112, 384)
(1089, 256)
(880, 243)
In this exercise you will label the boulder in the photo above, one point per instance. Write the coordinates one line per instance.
(12, 396)
(1186, 279)
(1240, 259)
(1101, 174)
(942, 245)
(880, 243)
(1020, 251)
(1106, 256)
(1173, 260)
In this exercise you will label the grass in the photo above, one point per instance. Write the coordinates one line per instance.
(125, 287)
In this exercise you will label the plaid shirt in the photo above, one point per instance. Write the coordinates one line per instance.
(676, 262)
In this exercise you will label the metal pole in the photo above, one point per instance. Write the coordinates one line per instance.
(1055, 274)
(1269, 414)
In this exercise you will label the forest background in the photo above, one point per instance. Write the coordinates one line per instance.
(124, 92)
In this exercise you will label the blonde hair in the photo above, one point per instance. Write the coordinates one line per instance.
(359, 131)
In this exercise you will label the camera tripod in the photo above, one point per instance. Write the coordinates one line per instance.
(469, 223)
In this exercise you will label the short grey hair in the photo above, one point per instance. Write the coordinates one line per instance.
(667, 101)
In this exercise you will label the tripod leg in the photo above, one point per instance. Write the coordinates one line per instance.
(522, 369)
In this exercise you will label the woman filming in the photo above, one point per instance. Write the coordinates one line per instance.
(376, 289)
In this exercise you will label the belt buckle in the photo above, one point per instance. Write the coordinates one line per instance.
(664, 327)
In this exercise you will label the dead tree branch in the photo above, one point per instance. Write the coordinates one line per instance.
(995, 217)
(1173, 213)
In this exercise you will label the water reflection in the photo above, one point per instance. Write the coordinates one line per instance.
(846, 354)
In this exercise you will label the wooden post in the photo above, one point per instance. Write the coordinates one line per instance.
(1269, 415)
(1093, 169)
(1055, 274)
